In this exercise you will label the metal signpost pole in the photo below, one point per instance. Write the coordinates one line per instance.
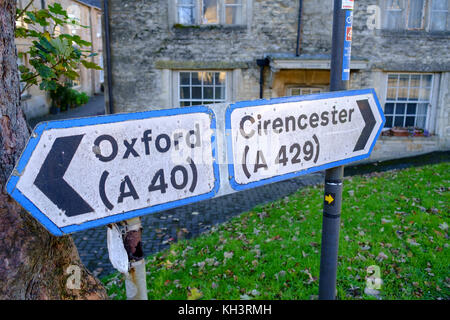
(339, 80)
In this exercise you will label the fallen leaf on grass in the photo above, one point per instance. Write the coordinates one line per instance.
(194, 294)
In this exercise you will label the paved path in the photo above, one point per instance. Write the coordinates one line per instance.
(163, 228)
(95, 107)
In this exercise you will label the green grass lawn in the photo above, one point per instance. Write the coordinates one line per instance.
(396, 221)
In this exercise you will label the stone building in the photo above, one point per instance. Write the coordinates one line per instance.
(36, 102)
(176, 53)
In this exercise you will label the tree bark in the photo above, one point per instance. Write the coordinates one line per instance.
(33, 263)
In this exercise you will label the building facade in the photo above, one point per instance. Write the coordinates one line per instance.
(177, 53)
(36, 102)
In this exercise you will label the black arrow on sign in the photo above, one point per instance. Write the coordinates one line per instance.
(370, 122)
(50, 179)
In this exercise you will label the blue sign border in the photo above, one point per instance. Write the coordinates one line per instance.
(319, 96)
(81, 122)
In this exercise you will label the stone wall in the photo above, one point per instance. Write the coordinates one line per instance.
(146, 47)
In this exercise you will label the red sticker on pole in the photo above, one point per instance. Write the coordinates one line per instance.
(348, 34)
(348, 4)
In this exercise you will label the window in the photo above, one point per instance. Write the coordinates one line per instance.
(20, 62)
(439, 15)
(193, 12)
(408, 100)
(76, 82)
(299, 91)
(74, 14)
(186, 11)
(201, 87)
(99, 26)
(431, 15)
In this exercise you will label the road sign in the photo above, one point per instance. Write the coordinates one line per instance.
(81, 173)
(277, 139)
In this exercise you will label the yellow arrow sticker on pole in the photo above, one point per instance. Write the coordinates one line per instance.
(329, 198)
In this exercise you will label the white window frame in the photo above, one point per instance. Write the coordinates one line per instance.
(177, 84)
(221, 8)
(304, 90)
(432, 100)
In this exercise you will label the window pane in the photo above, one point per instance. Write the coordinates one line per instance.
(208, 78)
(411, 108)
(233, 14)
(398, 121)
(185, 103)
(220, 93)
(409, 122)
(404, 80)
(415, 14)
(389, 108)
(402, 93)
(196, 92)
(196, 103)
(295, 91)
(394, 15)
(420, 122)
(219, 78)
(392, 94)
(400, 108)
(393, 80)
(426, 81)
(415, 80)
(440, 5)
(209, 14)
(185, 93)
(388, 122)
(185, 78)
(208, 93)
(424, 94)
(422, 109)
(438, 21)
(186, 13)
(197, 78)
(413, 94)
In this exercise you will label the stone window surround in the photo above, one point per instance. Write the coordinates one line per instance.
(432, 111)
(173, 92)
(213, 86)
(247, 6)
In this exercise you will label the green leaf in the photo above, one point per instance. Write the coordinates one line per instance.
(57, 9)
(45, 71)
(62, 47)
(71, 74)
(48, 85)
(31, 16)
(91, 65)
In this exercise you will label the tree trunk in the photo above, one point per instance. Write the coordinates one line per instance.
(33, 263)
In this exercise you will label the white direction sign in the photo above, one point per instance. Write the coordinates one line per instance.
(81, 173)
(277, 139)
